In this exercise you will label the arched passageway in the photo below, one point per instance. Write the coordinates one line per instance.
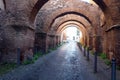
(27, 24)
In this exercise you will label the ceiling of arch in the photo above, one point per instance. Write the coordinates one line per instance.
(55, 9)
(25, 8)
(70, 17)
(52, 10)
(63, 26)
(103, 4)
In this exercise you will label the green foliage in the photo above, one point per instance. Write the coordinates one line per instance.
(92, 52)
(86, 48)
(26, 62)
(103, 56)
(107, 62)
(52, 49)
(35, 57)
(6, 67)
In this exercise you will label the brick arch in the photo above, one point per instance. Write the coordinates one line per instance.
(91, 16)
(111, 10)
(36, 9)
(94, 19)
(78, 23)
(71, 12)
(101, 4)
(41, 3)
(72, 23)
(63, 26)
(67, 18)
(80, 27)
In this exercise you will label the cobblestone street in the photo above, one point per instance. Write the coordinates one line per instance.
(65, 63)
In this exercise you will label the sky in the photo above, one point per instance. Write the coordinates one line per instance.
(71, 31)
(87, 1)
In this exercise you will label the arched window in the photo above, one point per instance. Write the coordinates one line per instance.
(2, 7)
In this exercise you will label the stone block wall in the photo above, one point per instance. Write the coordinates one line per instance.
(16, 36)
(113, 43)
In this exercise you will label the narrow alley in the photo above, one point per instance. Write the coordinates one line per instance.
(65, 63)
(31, 30)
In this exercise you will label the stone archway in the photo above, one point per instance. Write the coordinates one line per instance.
(103, 16)
(82, 28)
